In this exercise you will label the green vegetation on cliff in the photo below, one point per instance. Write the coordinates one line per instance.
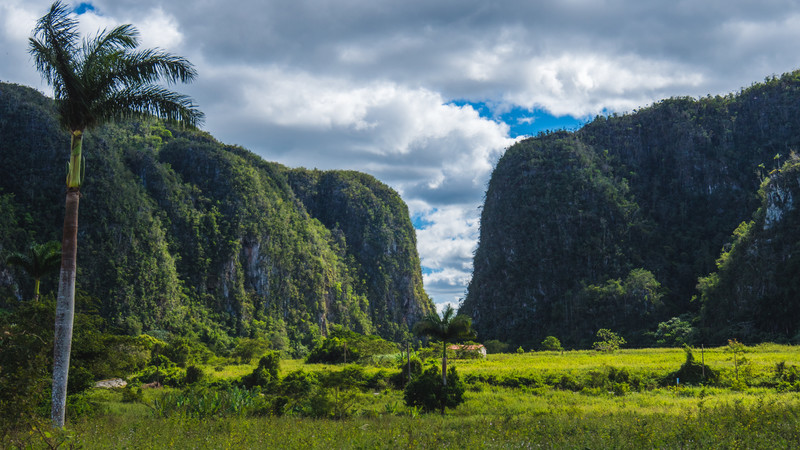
(181, 235)
(755, 289)
(653, 195)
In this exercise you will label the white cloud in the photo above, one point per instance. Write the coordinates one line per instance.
(18, 21)
(358, 85)
(157, 29)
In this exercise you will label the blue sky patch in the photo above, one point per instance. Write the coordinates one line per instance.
(83, 8)
(419, 222)
(524, 122)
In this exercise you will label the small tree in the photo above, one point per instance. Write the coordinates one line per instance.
(449, 327)
(609, 341)
(266, 374)
(674, 332)
(38, 261)
(551, 343)
(426, 392)
(737, 349)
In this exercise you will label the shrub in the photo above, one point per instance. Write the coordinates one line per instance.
(551, 343)
(246, 349)
(193, 374)
(350, 377)
(691, 372)
(132, 394)
(80, 379)
(266, 374)
(400, 379)
(298, 384)
(333, 403)
(161, 361)
(342, 346)
(168, 376)
(674, 332)
(609, 341)
(495, 346)
(427, 392)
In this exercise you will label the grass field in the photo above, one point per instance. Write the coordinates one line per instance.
(509, 404)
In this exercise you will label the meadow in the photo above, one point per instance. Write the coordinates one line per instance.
(572, 399)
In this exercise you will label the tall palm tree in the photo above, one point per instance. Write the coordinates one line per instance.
(38, 261)
(449, 327)
(102, 79)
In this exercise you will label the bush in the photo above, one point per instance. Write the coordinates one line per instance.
(691, 372)
(168, 376)
(132, 394)
(342, 346)
(674, 332)
(427, 392)
(246, 349)
(298, 384)
(350, 377)
(266, 374)
(609, 341)
(332, 403)
(400, 379)
(193, 374)
(80, 379)
(495, 346)
(551, 343)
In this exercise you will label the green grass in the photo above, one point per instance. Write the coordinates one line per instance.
(495, 415)
(489, 419)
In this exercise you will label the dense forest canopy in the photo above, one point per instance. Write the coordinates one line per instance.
(613, 225)
(182, 235)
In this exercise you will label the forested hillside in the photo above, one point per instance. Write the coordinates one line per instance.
(181, 234)
(612, 226)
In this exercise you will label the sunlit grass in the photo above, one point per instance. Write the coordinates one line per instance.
(493, 415)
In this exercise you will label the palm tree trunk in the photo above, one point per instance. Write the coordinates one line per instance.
(36, 283)
(444, 374)
(444, 364)
(65, 308)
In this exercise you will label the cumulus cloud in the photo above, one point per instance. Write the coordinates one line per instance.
(375, 86)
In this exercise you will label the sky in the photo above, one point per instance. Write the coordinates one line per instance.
(426, 95)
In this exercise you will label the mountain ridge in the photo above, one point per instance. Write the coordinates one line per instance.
(686, 170)
(182, 234)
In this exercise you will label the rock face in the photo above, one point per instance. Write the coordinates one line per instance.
(371, 219)
(754, 293)
(181, 233)
(569, 217)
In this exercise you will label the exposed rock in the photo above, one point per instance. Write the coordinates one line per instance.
(112, 383)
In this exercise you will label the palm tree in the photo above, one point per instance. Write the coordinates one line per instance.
(37, 262)
(102, 79)
(448, 327)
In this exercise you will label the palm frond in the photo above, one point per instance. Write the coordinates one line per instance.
(140, 101)
(446, 327)
(38, 260)
(148, 66)
(108, 79)
(53, 46)
(100, 53)
(21, 260)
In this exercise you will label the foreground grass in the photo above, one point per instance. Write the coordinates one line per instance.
(495, 418)
(497, 413)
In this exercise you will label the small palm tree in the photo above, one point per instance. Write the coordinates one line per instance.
(97, 80)
(38, 261)
(447, 328)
